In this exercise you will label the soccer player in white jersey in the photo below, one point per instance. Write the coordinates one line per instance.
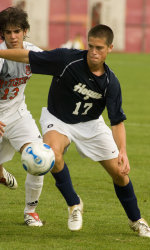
(82, 87)
(17, 127)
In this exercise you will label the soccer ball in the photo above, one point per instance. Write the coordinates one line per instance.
(38, 158)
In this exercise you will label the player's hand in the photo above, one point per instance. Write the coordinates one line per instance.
(2, 125)
(123, 162)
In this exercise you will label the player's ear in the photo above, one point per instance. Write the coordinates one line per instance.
(25, 33)
(110, 48)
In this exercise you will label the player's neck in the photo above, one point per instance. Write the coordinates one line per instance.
(97, 70)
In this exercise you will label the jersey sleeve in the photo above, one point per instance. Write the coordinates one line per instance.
(30, 46)
(114, 102)
(47, 62)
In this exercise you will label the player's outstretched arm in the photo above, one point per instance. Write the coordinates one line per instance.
(18, 55)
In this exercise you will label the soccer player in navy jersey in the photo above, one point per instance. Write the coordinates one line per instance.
(82, 86)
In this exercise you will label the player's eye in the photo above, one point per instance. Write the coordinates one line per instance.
(98, 48)
(7, 32)
(17, 31)
(90, 46)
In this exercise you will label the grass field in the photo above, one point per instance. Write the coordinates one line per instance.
(105, 223)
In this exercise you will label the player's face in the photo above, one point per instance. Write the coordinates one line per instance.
(97, 50)
(14, 37)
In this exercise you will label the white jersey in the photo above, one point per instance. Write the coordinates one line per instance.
(13, 79)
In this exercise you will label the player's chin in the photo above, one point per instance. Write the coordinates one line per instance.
(15, 46)
(95, 62)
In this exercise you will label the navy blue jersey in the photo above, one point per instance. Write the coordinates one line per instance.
(76, 94)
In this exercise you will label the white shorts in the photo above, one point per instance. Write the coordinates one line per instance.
(93, 139)
(20, 129)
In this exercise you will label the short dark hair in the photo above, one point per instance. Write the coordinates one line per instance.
(15, 17)
(102, 31)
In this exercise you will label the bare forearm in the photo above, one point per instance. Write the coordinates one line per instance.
(18, 55)
(119, 135)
